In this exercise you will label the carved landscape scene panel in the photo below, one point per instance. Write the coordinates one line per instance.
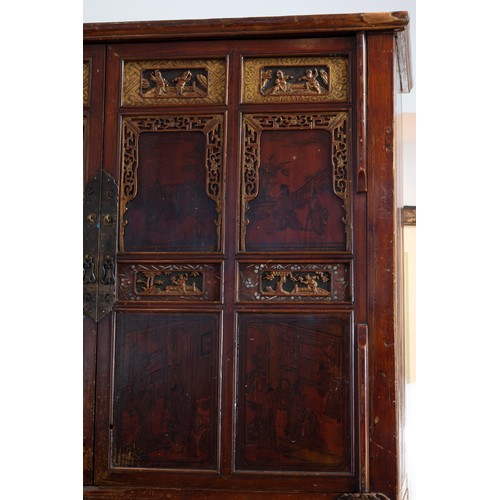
(165, 391)
(169, 282)
(172, 170)
(294, 282)
(295, 183)
(293, 393)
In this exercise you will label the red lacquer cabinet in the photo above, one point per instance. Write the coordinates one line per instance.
(241, 299)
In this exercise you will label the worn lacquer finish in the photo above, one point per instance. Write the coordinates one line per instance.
(165, 416)
(293, 393)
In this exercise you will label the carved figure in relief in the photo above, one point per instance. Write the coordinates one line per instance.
(168, 283)
(174, 82)
(280, 83)
(309, 284)
(181, 81)
(161, 83)
(311, 81)
(274, 82)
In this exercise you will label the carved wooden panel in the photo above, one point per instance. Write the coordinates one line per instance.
(86, 83)
(296, 79)
(293, 392)
(165, 391)
(295, 193)
(172, 171)
(170, 282)
(294, 282)
(174, 82)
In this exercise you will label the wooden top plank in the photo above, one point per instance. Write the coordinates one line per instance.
(254, 27)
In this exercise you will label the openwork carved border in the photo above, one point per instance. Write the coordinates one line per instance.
(213, 128)
(294, 282)
(335, 79)
(254, 125)
(86, 82)
(133, 81)
(169, 282)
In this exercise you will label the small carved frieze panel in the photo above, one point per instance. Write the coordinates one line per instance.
(165, 386)
(296, 79)
(293, 393)
(174, 82)
(294, 282)
(170, 282)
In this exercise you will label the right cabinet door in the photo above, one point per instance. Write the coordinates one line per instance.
(229, 360)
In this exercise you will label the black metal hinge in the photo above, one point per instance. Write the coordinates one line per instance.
(100, 216)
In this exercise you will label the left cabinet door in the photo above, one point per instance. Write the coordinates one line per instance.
(93, 115)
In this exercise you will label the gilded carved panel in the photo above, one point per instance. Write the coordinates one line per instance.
(86, 82)
(171, 170)
(295, 79)
(295, 193)
(294, 282)
(170, 282)
(174, 82)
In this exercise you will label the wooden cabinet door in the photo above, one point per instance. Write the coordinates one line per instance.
(93, 116)
(228, 361)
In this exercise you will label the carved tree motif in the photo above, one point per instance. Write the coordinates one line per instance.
(169, 282)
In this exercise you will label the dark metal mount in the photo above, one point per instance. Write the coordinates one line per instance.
(100, 228)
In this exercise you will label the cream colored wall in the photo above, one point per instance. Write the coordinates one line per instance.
(409, 198)
(409, 280)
